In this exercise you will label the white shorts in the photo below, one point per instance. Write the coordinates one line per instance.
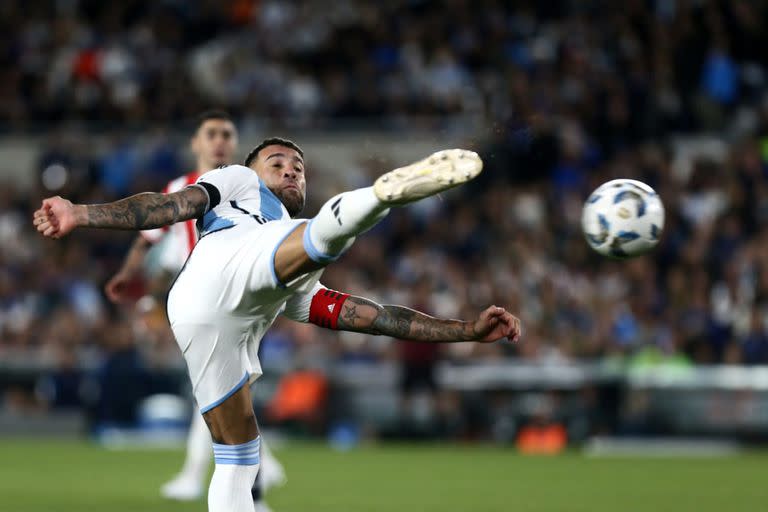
(224, 300)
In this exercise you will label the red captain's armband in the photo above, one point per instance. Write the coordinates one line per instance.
(326, 307)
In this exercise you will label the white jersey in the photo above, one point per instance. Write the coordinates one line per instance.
(177, 239)
(228, 293)
(237, 195)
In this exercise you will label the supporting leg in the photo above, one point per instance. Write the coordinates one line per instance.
(236, 453)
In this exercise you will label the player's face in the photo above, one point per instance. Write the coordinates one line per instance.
(214, 143)
(282, 169)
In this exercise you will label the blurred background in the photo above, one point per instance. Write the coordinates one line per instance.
(98, 100)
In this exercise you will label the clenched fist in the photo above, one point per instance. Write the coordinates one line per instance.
(496, 323)
(57, 217)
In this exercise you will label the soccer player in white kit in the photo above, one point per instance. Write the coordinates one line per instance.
(253, 262)
(213, 144)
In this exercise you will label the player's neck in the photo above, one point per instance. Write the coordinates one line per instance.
(204, 166)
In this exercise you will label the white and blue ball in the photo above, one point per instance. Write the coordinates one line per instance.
(623, 218)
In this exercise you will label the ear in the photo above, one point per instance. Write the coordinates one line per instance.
(193, 144)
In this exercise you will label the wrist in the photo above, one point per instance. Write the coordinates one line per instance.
(469, 332)
(81, 214)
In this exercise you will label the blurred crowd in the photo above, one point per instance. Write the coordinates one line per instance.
(627, 69)
(572, 94)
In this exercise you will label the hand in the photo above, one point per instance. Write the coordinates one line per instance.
(496, 323)
(56, 217)
(118, 288)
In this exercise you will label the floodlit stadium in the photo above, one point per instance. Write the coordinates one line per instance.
(273, 255)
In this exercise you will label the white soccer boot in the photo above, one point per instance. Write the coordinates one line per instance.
(182, 488)
(436, 173)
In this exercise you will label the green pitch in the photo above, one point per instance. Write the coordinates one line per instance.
(57, 476)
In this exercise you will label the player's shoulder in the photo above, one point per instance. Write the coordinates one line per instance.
(233, 170)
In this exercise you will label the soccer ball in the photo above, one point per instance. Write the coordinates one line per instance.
(622, 219)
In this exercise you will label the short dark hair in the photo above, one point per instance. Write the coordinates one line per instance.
(207, 115)
(272, 141)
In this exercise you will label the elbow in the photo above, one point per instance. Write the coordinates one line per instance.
(373, 321)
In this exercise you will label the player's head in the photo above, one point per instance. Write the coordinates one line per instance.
(280, 165)
(215, 140)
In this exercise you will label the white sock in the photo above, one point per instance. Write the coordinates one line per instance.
(236, 469)
(199, 450)
(333, 230)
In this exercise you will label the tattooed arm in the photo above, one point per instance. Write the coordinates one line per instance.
(148, 210)
(362, 315)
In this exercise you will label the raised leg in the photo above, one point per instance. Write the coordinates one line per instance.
(345, 216)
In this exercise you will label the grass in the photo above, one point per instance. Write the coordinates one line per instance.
(68, 476)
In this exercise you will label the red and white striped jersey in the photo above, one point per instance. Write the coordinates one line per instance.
(178, 239)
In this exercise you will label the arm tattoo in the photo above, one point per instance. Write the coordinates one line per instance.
(363, 315)
(148, 210)
(350, 314)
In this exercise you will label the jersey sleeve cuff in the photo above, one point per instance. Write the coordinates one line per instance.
(214, 197)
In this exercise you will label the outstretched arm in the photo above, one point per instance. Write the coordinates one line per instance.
(57, 216)
(362, 315)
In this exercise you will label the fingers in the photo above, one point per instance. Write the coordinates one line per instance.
(512, 326)
(494, 312)
(50, 230)
(45, 221)
(38, 221)
(47, 226)
(516, 330)
(41, 215)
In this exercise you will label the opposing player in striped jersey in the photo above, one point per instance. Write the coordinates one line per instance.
(213, 144)
(254, 262)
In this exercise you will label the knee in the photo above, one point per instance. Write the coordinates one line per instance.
(233, 426)
(321, 248)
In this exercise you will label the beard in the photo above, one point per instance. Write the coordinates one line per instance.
(293, 200)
